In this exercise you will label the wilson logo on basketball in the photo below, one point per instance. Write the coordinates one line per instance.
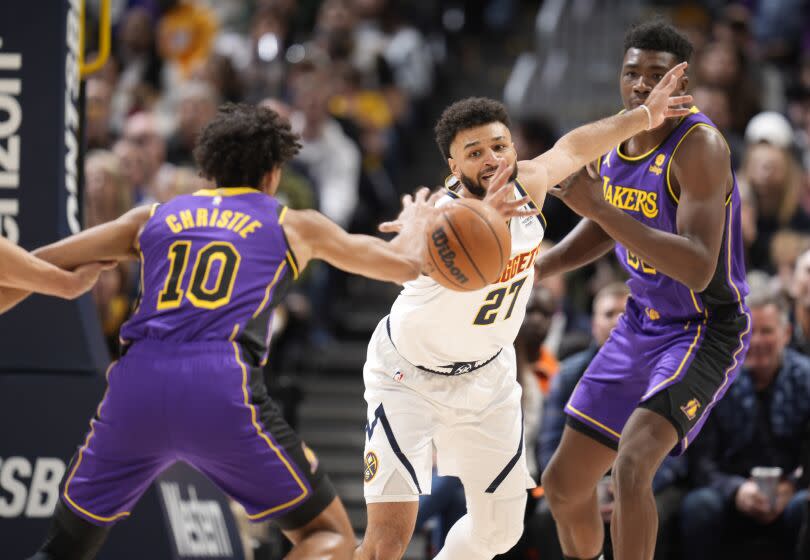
(447, 255)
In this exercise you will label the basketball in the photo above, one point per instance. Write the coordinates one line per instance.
(468, 244)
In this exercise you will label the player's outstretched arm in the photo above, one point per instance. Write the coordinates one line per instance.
(77, 260)
(588, 142)
(22, 271)
(313, 236)
(702, 170)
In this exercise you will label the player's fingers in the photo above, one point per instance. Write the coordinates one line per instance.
(680, 99)
(421, 194)
(407, 200)
(390, 227)
(107, 265)
(676, 112)
(434, 198)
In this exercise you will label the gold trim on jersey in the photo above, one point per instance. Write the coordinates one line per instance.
(304, 491)
(587, 418)
(734, 356)
(532, 204)
(675, 375)
(83, 448)
(671, 192)
(226, 191)
(693, 110)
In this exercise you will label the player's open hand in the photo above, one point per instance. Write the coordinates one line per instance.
(500, 195)
(581, 193)
(417, 207)
(659, 102)
(84, 277)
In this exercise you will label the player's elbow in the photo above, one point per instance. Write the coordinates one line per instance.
(700, 277)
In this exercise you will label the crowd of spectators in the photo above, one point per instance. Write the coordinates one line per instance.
(355, 77)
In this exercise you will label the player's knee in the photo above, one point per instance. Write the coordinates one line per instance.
(632, 473)
(505, 538)
(558, 486)
(497, 524)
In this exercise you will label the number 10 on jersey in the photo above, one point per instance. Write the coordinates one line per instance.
(198, 292)
(492, 303)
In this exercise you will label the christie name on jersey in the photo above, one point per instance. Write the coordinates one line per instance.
(628, 198)
(237, 222)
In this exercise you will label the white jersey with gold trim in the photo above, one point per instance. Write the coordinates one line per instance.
(437, 328)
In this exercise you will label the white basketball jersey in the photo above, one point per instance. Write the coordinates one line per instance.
(434, 327)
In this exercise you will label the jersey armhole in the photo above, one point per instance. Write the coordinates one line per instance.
(290, 256)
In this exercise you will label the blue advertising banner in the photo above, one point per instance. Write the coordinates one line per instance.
(40, 167)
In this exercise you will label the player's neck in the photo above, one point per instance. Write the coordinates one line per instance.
(648, 140)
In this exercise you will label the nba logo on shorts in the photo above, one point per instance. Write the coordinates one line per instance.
(399, 376)
(691, 408)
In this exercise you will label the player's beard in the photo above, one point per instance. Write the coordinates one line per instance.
(475, 188)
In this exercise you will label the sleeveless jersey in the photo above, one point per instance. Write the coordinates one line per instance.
(213, 266)
(641, 186)
(435, 327)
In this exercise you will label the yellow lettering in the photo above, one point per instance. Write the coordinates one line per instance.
(171, 221)
(236, 217)
(642, 196)
(628, 200)
(187, 219)
(607, 190)
(250, 228)
(224, 218)
(213, 221)
(202, 217)
(618, 193)
(650, 209)
(242, 223)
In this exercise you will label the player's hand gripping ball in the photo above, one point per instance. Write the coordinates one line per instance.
(468, 245)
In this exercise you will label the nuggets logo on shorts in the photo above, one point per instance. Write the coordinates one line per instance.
(690, 409)
(311, 457)
(371, 467)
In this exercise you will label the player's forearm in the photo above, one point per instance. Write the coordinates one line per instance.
(588, 142)
(9, 297)
(24, 271)
(674, 255)
(586, 243)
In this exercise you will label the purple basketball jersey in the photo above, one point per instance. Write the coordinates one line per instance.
(641, 186)
(213, 265)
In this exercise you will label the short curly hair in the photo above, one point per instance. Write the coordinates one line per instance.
(658, 35)
(464, 114)
(242, 143)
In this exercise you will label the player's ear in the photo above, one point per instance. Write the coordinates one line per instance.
(453, 166)
(684, 85)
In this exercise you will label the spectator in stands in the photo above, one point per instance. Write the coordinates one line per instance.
(722, 65)
(98, 114)
(107, 194)
(197, 104)
(774, 178)
(800, 318)
(786, 248)
(762, 421)
(714, 102)
(142, 129)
